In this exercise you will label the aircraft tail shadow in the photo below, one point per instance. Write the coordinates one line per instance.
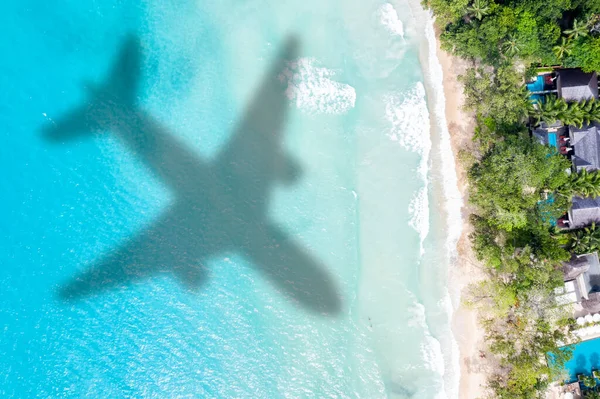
(220, 208)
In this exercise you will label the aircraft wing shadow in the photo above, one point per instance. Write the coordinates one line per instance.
(160, 249)
(220, 208)
(294, 271)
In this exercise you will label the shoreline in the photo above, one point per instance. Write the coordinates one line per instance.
(468, 334)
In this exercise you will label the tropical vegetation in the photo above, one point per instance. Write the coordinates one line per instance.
(589, 381)
(573, 113)
(517, 186)
(582, 184)
(585, 240)
(591, 395)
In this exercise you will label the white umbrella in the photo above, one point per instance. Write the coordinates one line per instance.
(589, 318)
(596, 317)
(580, 321)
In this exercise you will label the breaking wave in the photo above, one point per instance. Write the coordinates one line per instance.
(389, 18)
(452, 199)
(409, 118)
(419, 215)
(431, 353)
(450, 180)
(311, 88)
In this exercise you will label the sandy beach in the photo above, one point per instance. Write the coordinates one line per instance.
(468, 333)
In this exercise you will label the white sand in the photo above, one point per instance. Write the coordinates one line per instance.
(468, 333)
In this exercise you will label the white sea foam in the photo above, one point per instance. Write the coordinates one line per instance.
(450, 181)
(431, 351)
(453, 372)
(311, 88)
(408, 115)
(453, 199)
(419, 214)
(389, 17)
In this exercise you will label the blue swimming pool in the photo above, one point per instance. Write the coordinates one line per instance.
(538, 85)
(552, 140)
(586, 357)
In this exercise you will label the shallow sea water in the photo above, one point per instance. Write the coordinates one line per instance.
(253, 201)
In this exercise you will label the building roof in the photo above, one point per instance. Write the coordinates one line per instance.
(540, 135)
(586, 147)
(584, 211)
(575, 267)
(592, 276)
(576, 85)
(581, 276)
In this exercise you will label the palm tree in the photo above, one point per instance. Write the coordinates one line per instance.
(573, 114)
(588, 105)
(564, 48)
(511, 46)
(592, 395)
(585, 240)
(479, 9)
(532, 107)
(553, 109)
(584, 109)
(583, 184)
(578, 29)
(594, 110)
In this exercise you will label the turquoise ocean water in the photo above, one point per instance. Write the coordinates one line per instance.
(310, 266)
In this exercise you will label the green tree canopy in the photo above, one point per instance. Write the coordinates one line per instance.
(565, 47)
(516, 186)
(582, 184)
(585, 240)
(507, 182)
(591, 395)
(499, 94)
(586, 54)
(479, 8)
(579, 29)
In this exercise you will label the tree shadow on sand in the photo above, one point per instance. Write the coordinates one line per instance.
(219, 208)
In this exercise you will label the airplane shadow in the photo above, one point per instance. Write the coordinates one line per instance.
(220, 207)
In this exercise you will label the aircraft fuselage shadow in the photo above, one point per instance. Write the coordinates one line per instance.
(220, 207)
